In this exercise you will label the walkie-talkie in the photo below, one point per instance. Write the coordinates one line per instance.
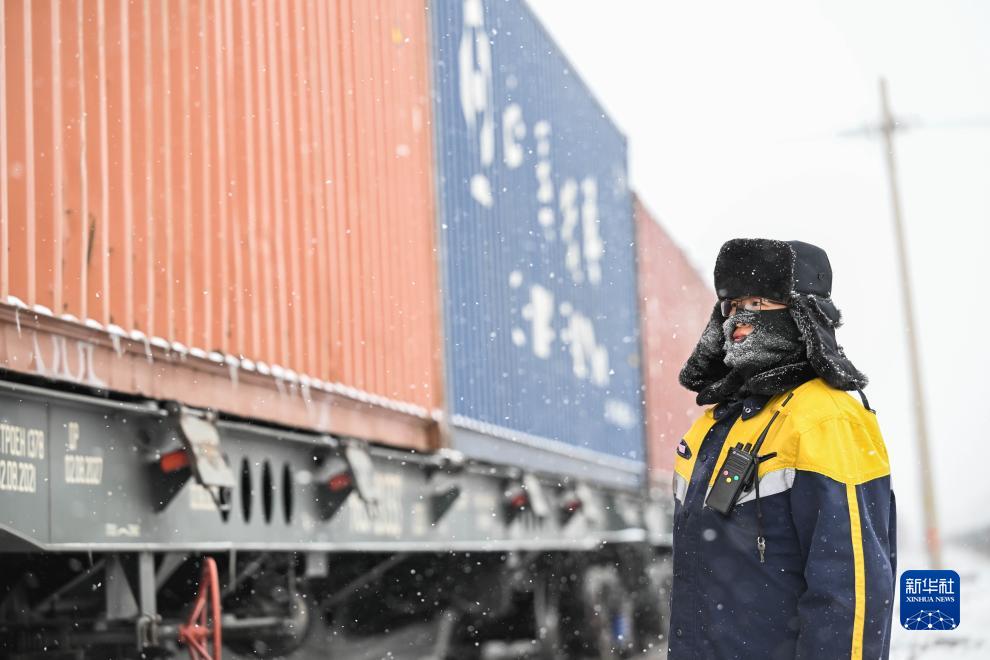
(733, 477)
(737, 473)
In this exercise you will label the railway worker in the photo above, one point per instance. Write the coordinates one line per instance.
(801, 564)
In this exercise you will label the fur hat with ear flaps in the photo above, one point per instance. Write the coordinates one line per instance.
(793, 272)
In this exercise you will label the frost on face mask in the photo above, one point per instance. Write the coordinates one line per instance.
(774, 340)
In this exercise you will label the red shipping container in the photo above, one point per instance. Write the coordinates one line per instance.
(675, 305)
(226, 202)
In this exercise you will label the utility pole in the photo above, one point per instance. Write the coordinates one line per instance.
(888, 128)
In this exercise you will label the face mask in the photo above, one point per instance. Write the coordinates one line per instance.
(774, 341)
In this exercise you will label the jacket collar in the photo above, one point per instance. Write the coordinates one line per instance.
(751, 406)
(770, 382)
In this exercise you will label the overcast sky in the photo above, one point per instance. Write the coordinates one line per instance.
(734, 111)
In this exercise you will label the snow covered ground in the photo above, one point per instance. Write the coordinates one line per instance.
(971, 640)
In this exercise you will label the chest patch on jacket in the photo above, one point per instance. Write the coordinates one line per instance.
(683, 450)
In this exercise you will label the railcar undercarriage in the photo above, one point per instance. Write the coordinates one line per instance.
(147, 529)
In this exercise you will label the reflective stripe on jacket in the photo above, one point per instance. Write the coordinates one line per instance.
(826, 588)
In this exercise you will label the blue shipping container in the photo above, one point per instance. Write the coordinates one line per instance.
(536, 229)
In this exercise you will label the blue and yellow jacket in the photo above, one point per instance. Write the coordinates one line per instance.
(826, 588)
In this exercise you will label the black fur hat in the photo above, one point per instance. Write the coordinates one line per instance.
(792, 272)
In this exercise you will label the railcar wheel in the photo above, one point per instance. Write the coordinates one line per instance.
(547, 618)
(653, 603)
(597, 615)
(201, 634)
(277, 642)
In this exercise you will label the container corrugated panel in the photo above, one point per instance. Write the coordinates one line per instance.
(250, 178)
(541, 324)
(675, 304)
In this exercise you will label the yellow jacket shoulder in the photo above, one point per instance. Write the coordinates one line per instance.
(832, 433)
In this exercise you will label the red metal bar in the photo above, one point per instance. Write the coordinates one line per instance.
(203, 629)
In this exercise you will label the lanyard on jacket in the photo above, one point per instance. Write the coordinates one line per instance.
(761, 541)
(741, 469)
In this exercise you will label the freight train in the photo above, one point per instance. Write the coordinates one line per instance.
(326, 319)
